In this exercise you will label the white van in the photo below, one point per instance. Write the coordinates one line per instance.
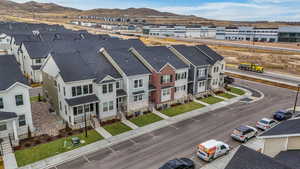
(212, 149)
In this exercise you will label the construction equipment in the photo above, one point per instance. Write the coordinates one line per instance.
(251, 67)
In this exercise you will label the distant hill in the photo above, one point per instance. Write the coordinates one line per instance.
(32, 6)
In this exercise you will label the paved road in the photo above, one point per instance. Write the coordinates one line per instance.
(151, 150)
(268, 75)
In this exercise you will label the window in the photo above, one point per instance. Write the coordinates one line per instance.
(19, 100)
(3, 127)
(79, 109)
(110, 88)
(166, 79)
(138, 83)
(38, 61)
(22, 120)
(201, 72)
(105, 107)
(87, 108)
(91, 107)
(166, 92)
(90, 88)
(64, 91)
(1, 103)
(137, 98)
(104, 89)
(118, 85)
(181, 76)
(85, 89)
(79, 90)
(58, 87)
(73, 91)
(60, 106)
(75, 111)
(111, 105)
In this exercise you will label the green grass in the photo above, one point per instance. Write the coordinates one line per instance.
(236, 91)
(116, 128)
(35, 98)
(176, 110)
(146, 119)
(211, 100)
(43, 151)
(226, 95)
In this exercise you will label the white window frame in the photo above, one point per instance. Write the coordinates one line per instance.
(139, 83)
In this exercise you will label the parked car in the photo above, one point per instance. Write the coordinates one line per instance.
(265, 124)
(181, 163)
(228, 80)
(212, 149)
(282, 115)
(244, 133)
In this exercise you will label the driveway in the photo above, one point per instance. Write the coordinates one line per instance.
(151, 150)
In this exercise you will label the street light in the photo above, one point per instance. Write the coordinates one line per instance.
(296, 99)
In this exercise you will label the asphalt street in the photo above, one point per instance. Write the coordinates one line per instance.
(268, 75)
(151, 150)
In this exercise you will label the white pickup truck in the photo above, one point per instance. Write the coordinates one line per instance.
(212, 149)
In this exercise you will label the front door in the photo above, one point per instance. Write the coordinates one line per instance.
(97, 110)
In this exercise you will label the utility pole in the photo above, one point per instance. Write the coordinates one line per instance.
(296, 99)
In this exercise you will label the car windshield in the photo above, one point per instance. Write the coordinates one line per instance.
(264, 121)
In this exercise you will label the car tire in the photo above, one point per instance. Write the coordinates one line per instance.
(246, 139)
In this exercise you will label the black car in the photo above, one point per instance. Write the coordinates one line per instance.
(282, 115)
(228, 80)
(181, 163)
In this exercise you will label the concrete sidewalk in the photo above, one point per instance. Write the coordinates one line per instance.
(109, 141)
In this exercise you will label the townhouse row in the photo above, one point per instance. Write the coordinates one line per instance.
(113, 78)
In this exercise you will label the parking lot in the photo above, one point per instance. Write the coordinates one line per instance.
(151, 150)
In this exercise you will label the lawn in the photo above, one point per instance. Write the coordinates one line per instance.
(43, 151)
(176, 110)
(236, 91)
(146, 119)
(35, 98)
(226, 95)
(211, 100)
(116, 128)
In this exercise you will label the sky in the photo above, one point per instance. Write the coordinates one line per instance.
(237, 10)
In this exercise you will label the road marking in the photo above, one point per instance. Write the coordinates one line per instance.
(134, 142)
(84, 157)
(113, 151)
(174, 127)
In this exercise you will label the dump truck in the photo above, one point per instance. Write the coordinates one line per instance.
(251, 67)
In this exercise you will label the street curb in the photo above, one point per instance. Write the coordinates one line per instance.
(93, 147)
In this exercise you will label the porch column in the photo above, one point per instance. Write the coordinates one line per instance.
(15, 130)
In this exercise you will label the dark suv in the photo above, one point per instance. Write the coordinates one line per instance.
(282, 115)
(181, 163)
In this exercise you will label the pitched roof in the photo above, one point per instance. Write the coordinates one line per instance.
(69, 64)
(211, 53)
(246, 158)
(10, 72)
(287, 127)
(194, 55)
(37, 50)
(159, 56)
(290, 158)
(128, 62)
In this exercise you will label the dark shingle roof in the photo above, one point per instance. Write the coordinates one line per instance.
(284, 128)
(159, 56)
(246, 158)
(194, 55)
(121, 92)
(82, 100)
(128, 62)
(211, 53)
(10, 72)
(37, 50)
(290, 158)
(72, 67)
(7, 115)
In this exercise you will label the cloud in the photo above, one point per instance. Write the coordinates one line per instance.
(250, 11)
